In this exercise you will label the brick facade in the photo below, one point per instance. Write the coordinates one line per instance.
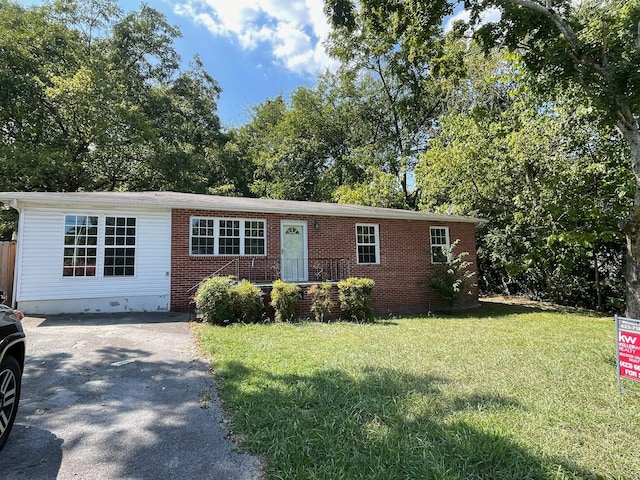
(401, 277)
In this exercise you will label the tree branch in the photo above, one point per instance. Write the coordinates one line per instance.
(576, 52)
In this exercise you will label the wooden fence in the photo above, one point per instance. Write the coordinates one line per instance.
(7, 263)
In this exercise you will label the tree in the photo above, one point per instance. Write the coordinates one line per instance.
(92, 99)
(408, 98)
(548, 174)
(594, 44)
(323, 144)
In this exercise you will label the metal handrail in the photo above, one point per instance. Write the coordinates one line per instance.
(236, 260)
(269, 269)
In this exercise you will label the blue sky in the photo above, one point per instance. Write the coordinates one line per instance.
(255, 49)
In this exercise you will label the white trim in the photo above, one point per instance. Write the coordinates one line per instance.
(305, 245)
(100, 248)
(190, 201)
(216, 236)
(17, 273)
(447, 239)
(105, 246)
(376, 231)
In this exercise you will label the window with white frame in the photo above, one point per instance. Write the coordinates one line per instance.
(80, 255)
(203, 236)
(227, 236)
(439, 244)
(254, 237)
(119, 246)
(367, 244)
(93, 242)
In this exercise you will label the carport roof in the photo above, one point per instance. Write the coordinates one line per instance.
(169, 200)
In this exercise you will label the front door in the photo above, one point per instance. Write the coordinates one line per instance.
(294, 251)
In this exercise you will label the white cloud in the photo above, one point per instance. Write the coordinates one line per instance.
(293, 29)
(490, 15)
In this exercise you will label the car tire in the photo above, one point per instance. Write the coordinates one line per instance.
(10, 382)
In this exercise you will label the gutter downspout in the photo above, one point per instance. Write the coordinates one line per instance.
(17, 262)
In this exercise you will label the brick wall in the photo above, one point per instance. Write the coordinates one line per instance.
(401, 276)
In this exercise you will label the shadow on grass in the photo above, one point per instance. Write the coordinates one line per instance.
(377, 424)
(501, 307)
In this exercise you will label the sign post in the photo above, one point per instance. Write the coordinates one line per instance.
(628, 350)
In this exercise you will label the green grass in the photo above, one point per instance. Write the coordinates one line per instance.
(503, 392)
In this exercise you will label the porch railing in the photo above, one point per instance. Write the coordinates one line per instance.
(266, 270)
(233, 263)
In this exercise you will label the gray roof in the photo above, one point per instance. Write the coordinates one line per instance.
(167, 200)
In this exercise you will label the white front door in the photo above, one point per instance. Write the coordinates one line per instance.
(294, 251)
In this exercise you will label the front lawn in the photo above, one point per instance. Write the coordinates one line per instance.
(504, 392)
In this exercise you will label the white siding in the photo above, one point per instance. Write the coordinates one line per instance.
(42, 288)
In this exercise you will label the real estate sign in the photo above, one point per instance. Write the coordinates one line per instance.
(628, 348)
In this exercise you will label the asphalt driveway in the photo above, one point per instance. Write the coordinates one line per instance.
(119, 397)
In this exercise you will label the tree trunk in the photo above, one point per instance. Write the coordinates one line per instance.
(631, 227)
(596, 263)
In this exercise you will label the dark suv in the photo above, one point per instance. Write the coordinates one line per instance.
(12, 345)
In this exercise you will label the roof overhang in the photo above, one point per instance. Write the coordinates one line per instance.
(172, 200)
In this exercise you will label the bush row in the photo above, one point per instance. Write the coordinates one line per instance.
(223, 300)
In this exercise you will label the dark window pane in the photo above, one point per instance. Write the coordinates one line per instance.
(123, 234)
(366, 243)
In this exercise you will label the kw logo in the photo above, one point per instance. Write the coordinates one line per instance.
(628, 339)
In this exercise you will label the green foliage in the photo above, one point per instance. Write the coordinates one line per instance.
(321, 303)
(284, 300)
(365, 39)
(355, 298)
(246, 302)
(221, 301)
(585, 50)
(8, 224)
(453, 280)
(214, 301)
(320, 139)
(548, 173)
(380, 190)
(93, 99)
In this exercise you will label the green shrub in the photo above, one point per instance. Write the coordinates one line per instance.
(213, 300)
(321, 303)
(451, 280)
(284, 300)
(222, 300)
(355, 298)
(246, 302)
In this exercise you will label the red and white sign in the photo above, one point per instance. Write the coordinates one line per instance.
(629, 348)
